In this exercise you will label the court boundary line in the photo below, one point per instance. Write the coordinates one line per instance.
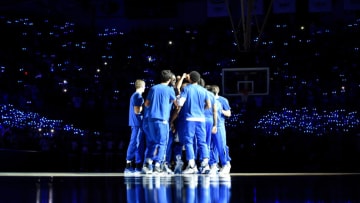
(114, 174)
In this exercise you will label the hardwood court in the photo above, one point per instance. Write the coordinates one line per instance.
(235, 187)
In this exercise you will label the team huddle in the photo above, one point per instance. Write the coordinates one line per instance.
(181, 119)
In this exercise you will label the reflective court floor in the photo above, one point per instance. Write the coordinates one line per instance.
(236, 187)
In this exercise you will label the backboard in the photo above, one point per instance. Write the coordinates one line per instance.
(245, 81)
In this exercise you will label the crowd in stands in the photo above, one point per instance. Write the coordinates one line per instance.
(77, 81)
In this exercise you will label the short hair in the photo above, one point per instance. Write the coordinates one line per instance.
(195, 76)
(166, 75)
(139, 83)
(173, 79)
(215, 89)
(208, 87)
(202, 82)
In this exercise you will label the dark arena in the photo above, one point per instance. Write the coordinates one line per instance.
(179, 101)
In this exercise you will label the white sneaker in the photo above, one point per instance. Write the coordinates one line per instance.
(190, 170)
(147, 169)
(205, 169)
(157, 169)
(167, 169)
(225, 169)
(214, 169)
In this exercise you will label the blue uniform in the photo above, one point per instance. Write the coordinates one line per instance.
(221, 150)
(136, 145)
(192, 111)
(161, 98)
(146, 131)
(209, 119)
(174, 147)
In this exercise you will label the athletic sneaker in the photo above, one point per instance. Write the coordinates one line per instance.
(128, 168)
(138, 168)
(214, 169)
(205, 169)
(147, 169)
(225, 169)
(167, 169)
(190, 170)
(137, 171)
(157, 169)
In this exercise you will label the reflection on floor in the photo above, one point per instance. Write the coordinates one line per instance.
(237, 187)
(185, 188)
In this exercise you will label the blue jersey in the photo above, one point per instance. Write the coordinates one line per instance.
(209, 112)
(223, 105)
(136, 99)
(161, 98)
(195, 100)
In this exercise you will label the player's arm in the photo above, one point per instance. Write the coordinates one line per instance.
(179, 82)
(215, 115)
(226, 113)
(138, 109)
(207, 104)
(173, 117)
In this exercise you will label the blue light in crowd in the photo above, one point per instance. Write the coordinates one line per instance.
(308, 121)
(14, 118)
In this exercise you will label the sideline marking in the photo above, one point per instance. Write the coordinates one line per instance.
(81, 174)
